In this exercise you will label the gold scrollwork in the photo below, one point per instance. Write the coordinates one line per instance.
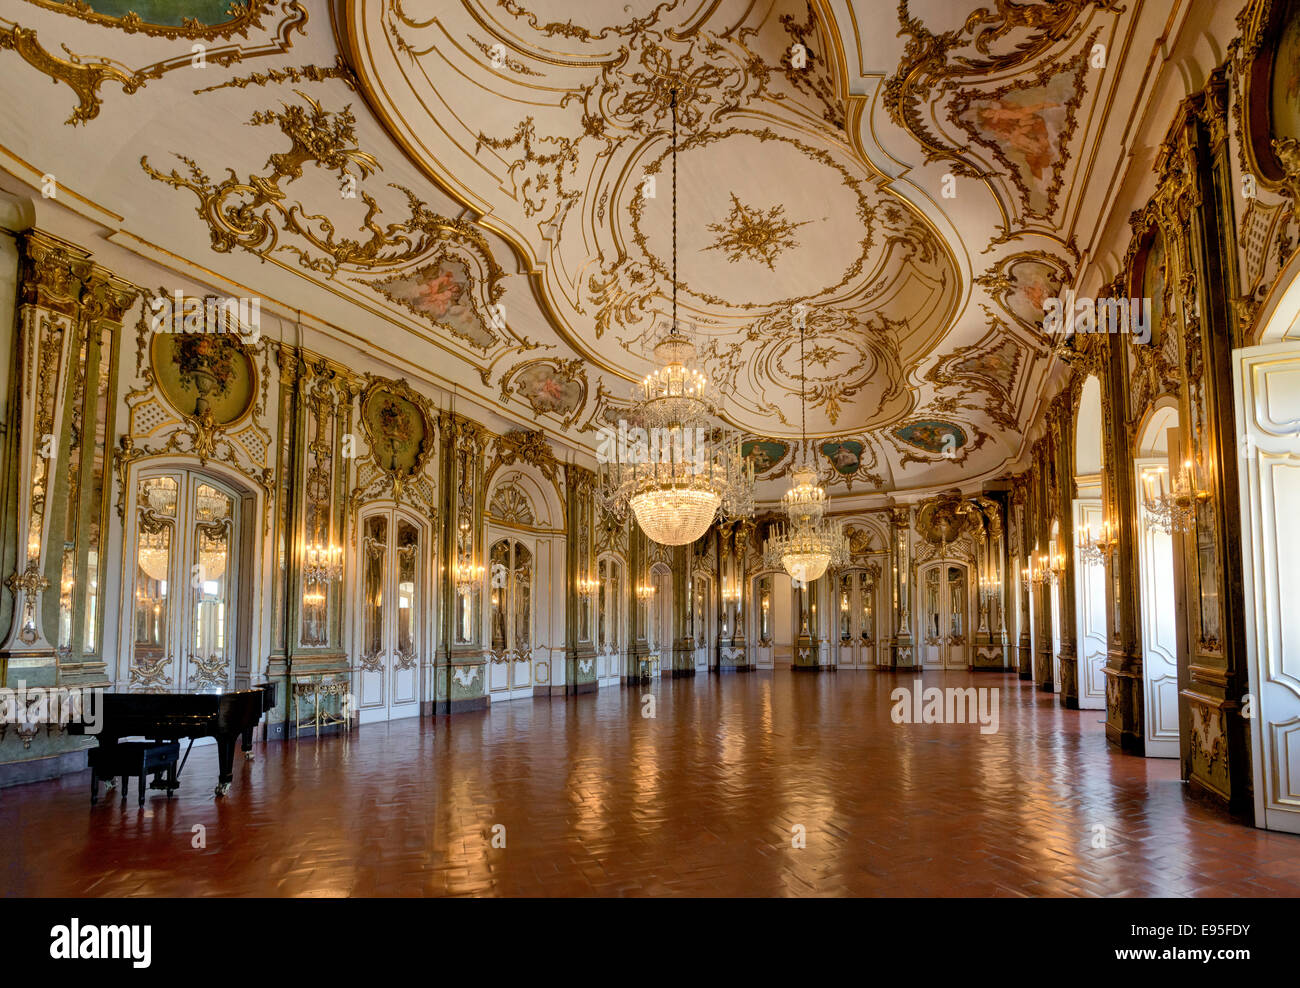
(251, 214)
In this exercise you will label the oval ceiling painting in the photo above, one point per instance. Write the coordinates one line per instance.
(765, 454)
(168, 18)
(845, 455)
(933, 437)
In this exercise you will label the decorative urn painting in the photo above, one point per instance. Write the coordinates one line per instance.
(845, 455)
(932, 436)
(204, 374)
(396, 430)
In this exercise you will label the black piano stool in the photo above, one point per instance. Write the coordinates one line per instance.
(132, 758)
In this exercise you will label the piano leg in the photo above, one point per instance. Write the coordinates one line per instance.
(248, 743)
(226, 758)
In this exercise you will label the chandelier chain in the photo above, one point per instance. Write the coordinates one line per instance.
(673, 104)
(803, 404)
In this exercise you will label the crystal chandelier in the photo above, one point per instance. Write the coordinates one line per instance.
(808, 543)
(676, 468)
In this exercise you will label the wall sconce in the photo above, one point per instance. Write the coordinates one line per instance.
(731, 595)
(588, 588)
(1039, 571)
(1055, 564)
(1094, 550)
(1174, 510)
(989, 587)
(321, 563)
(645, 592)
(313, 599)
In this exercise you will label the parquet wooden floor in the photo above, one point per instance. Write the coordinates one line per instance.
(702, 799)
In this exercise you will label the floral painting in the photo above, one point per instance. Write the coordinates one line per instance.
(764, 453)
(440, 293)
(845, 455)
(932, 436)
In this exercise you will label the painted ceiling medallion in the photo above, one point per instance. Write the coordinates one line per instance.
(1027, 125)
(932, 436)
(754, 233)
(195, 19)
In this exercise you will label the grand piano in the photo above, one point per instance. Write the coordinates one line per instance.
(170, 716)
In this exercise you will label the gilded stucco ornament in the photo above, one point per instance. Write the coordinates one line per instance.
(250, 214)
(85, 74)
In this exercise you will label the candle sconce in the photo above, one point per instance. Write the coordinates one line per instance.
(1171, 507)
(322, 563)
(467, 576)
(1095, 550)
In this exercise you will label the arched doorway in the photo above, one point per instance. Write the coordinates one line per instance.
(1089, 524)
(945, 610)
(391, 620)
(1151, 470)
(185, 578)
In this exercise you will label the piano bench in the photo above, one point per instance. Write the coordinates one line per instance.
(132, 758)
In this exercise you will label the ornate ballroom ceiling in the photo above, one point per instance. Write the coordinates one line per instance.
(460, 188)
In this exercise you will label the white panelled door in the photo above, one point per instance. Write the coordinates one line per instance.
(1267, 391)
(1090, 612)
(1159, 632)
(944, 639)
(390, 623)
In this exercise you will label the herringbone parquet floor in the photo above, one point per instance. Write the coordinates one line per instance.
(703, 799)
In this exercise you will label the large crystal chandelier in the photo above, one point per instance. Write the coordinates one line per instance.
(808, 543)
(675, 467)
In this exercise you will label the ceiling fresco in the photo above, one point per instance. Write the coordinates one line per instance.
(483, 188)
